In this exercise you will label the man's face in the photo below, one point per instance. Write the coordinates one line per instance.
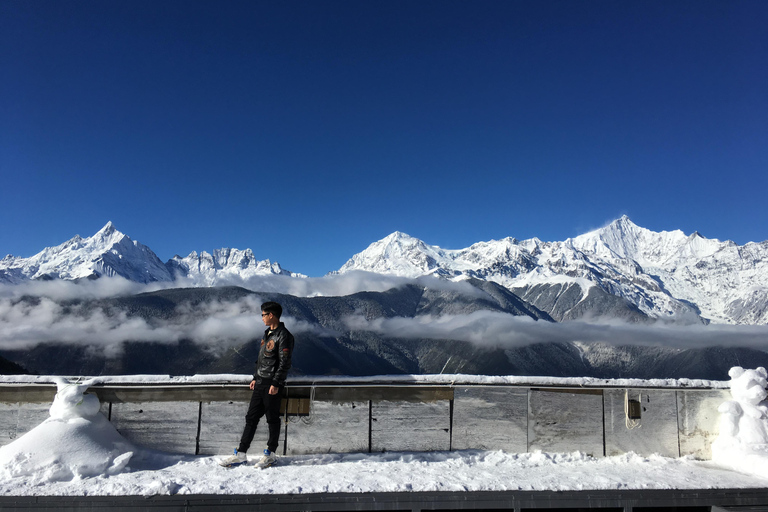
(266, 317)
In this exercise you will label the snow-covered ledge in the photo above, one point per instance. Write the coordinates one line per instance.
(443, 379)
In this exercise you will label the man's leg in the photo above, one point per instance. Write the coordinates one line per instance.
(273, 418)
(256, 410)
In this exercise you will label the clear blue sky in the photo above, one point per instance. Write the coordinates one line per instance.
(308, 130)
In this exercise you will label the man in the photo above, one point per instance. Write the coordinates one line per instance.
(267, 385)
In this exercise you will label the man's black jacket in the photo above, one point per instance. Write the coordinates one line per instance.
(275, 355)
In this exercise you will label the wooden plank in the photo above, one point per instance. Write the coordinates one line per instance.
(330, 427)
(384, 393)
(408, 426)
(27, 394)
(165, 426)
(229, 392)
(490, 418)
(654, 432)
(565, 422)
(294, 407)
(698, 420)
(136, 394)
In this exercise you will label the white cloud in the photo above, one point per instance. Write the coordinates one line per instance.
(86, 289)
(214, 325)
(497, 329)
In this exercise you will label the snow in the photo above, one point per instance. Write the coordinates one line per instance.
(446, 379)
(156, 473)
(77, 452)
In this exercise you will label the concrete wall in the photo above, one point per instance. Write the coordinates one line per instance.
(346, 418)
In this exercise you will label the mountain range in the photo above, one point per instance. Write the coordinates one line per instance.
(111, 253)
(462, 318)
(666, 275)
(619, 271)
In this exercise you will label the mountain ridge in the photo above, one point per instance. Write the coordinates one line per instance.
(620, 270)
(111, 253)
(665, 276)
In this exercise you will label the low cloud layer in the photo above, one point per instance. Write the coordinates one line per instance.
(220, 325)
(67, 290)
(494, 329)
(214, 325)
(328, 286)
(336, 285)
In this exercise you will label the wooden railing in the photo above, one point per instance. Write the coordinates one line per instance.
(399, 414)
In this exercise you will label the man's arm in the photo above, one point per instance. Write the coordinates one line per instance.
(285, 352)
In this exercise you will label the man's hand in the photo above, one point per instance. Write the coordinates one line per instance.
(273, 390)
(252, 384)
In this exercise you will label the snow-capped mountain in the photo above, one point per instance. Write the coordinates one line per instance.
(107, 253)
(728, 283)
(621, 270)
(112, 253)
(666, 275)
(206, 269)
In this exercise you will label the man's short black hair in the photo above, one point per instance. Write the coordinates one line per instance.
(272, 307)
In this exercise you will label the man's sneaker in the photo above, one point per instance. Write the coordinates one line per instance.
(237, 459)
(267, 460)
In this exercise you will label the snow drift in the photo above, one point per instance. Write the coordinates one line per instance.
(76, 441)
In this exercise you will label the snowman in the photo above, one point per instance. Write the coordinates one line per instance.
(76, 441)
(742, 443)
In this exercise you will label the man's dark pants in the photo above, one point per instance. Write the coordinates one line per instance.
(262, 403)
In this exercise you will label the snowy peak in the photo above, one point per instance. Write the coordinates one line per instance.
(112, 253)
(223, 266)
(624, 239)
(621, 238)
(107, 253)
(398, 254)
(667, 275)
(107, 231)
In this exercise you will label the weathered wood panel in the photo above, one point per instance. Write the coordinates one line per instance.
(654, 432)
(379, 393)
(144, 394)
(565, 422)
(165, 426)
(331, 427)
(409, 426)
(27, 394)
(490, 418)
(18, 419)
(698, 418)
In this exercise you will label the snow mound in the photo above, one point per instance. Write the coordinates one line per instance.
(76, 441)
